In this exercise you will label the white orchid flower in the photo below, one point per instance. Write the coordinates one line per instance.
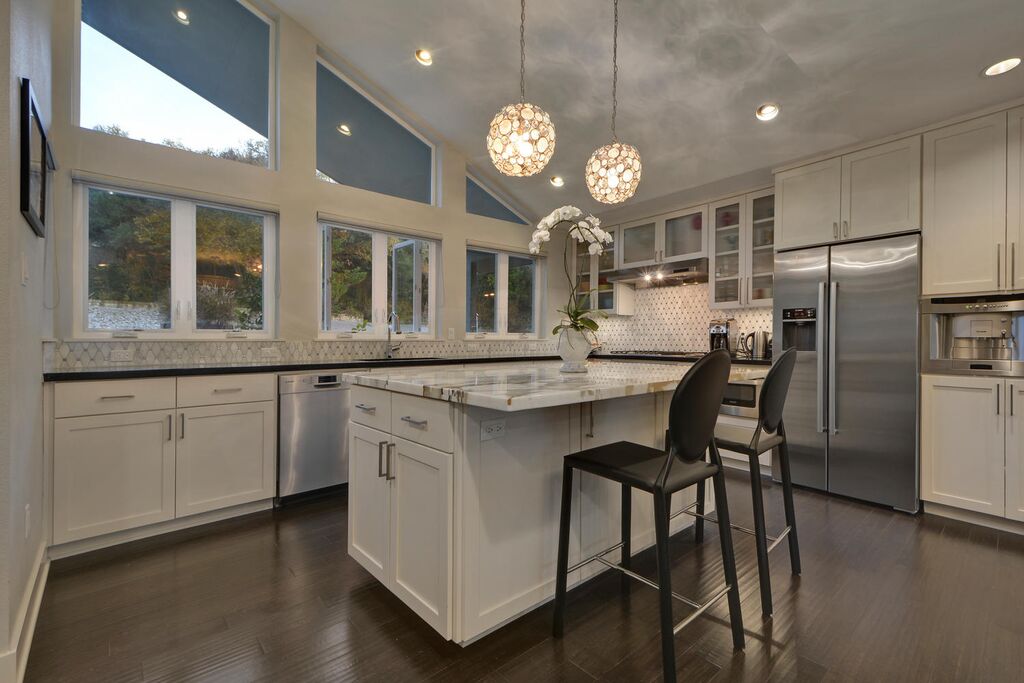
(595, 249)
(534, 247)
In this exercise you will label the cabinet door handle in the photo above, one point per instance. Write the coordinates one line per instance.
(391, 449)
(1013, 265)
(380, 458)
(1011, 400)
(228, 390)
(414, 422)
(999, 266)
(835, 230)
(998, 391)
(170, 426)
(366, 408)
(846, 228)
(181, 433)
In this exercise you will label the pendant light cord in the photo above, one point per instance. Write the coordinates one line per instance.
(522, 51)
(615, 68)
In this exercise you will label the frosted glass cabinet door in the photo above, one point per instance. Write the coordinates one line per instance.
(727, 262)
(685, 235)
(639, 243)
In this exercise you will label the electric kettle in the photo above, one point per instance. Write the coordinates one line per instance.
(757, 344)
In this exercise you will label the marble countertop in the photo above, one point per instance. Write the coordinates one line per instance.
(525, 386)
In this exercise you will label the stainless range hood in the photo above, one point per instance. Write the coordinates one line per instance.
(665, 274)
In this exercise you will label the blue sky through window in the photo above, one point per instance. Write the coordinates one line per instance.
(118, 88)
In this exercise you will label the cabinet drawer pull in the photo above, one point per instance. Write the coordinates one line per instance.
(181, 433)
(414, 422)
(121, 397)
(228, 390)
(170, 426)
(368, 409)
(846, 228)
(835, 230)
(391, 449)
(997, 399)
(1011, 400)
(380, 458)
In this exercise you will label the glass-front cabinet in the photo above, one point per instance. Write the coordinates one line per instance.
(614, 298)
(742, 259)
(676, 236)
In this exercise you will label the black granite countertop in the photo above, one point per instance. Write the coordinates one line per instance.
(213, 368)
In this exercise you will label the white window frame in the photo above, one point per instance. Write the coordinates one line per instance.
(380, 306)
(322, 60)
(501, 295)
(183, 271)
(272, 75)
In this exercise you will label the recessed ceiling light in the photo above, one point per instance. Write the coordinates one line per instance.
(424, 57)
(344, 129)
(182, 16)
(767, 111)
(1003, 66)
(557, 181)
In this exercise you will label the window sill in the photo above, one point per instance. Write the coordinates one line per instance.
(366, 337)
(170, 337)
(494, 336)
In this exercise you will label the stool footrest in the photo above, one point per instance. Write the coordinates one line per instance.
(774, 540)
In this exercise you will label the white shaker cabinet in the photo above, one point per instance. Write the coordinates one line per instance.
(368, 524)
(963, 225)
(807, 202)
(111, 473)
(1015, 195)
(881, 193)
(1015, 450)
(225, 456)
(419, 556)
(962, 431)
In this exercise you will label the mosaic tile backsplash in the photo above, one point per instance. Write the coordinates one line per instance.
(674, 319)
(666, 319)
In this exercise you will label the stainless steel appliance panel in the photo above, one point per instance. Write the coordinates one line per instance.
(872, 416)
(313, 432)
(801, 279)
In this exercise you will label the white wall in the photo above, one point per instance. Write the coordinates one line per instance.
(292, 191)
(24, 322)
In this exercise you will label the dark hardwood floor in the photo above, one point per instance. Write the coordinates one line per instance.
(274, 597)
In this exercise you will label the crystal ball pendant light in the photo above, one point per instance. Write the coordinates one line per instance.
(521, 138)
(613, 171)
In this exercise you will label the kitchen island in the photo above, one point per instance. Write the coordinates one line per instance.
(455, 477)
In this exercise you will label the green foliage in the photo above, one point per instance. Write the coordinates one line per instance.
(351, 286)
(253, 151)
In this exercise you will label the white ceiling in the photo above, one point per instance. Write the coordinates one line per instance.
(691, 73)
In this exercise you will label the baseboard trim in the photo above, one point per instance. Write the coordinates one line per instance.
(85, 545)
(981, 519)
(14, 661)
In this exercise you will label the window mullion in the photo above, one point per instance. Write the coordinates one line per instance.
(183, 267)
(501, 295)
(379, 273)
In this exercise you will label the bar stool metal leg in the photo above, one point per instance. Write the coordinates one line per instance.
(562, 576)
(760, 537)
(698, 524)
(728, 557)
(668, 647)
(787, 500)
(626, 552)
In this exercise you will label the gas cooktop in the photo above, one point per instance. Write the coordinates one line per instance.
(695, 355)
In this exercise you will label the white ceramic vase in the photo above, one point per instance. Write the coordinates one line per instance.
(573, 347)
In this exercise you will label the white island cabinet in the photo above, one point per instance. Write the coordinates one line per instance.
(455, 478)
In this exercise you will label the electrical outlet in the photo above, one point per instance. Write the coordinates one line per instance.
(121, 355)
(492, 429)
(451, 333)
(28, 519)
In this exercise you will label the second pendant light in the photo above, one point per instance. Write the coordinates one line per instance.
(613, 171)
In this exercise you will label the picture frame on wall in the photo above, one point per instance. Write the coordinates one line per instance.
(36, 161)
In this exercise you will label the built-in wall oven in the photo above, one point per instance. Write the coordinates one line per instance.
(973, 335)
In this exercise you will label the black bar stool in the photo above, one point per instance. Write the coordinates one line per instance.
(692, 417)
(768, 433)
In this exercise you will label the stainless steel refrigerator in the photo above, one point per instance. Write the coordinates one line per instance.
(851, 311)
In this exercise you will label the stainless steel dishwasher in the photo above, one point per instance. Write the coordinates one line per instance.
(313, 432)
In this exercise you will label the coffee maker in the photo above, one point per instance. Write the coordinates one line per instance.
(722, 334)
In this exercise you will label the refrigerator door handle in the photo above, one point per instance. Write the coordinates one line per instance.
(820, 346)
(833, 419)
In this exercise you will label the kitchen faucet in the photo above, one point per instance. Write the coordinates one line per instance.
(390, 350)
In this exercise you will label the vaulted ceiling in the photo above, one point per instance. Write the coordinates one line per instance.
(691, 73)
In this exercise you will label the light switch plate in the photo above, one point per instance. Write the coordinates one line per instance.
(492, 429)
(24, 270)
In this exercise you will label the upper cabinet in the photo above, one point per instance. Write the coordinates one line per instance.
(614, 298)
(1015, 193)
(875, 191)
(741, 253)
(966, 247)
(676, 236)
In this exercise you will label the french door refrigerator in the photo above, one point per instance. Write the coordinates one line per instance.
(851, 311)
